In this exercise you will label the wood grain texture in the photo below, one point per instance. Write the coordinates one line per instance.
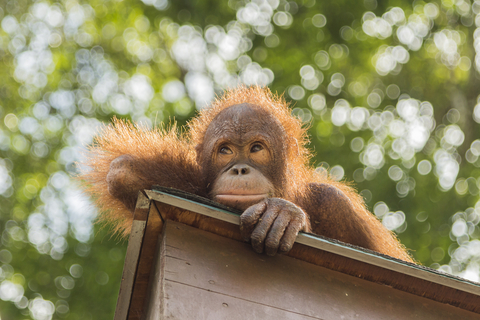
(145, 262)
(364, 270)
(132, 257)
(154, 306)
(206, 276)
(152, 272)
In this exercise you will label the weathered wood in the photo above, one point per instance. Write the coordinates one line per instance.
(154, 306)
(205, 276)
(132, 256)
(261, 292)
(188, 205)
(332, 254)
(145, 262)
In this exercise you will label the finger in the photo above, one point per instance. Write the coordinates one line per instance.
(290, 235)
(276, 232)
(249, 219)
(261, 230)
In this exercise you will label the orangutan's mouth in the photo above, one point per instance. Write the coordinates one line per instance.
(240, 201)
(232, 198)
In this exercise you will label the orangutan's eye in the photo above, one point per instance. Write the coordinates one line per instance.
(256, 147)
(225, 150)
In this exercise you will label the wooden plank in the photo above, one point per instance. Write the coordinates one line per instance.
(154, 307)
(132, 256)
(314, 241)
(206, 276)
(372, 258)
(349, 259)
(142, 276)
(212, 305)
(188, 205)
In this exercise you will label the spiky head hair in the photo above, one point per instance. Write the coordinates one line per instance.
(298, 156)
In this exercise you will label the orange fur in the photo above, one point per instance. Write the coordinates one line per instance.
(167, 148)
(122, 138)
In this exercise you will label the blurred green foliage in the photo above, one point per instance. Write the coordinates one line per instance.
(389, 89)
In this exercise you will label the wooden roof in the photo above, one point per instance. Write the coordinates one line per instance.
(154, 207)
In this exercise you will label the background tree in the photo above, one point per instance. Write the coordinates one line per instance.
(389, 89)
